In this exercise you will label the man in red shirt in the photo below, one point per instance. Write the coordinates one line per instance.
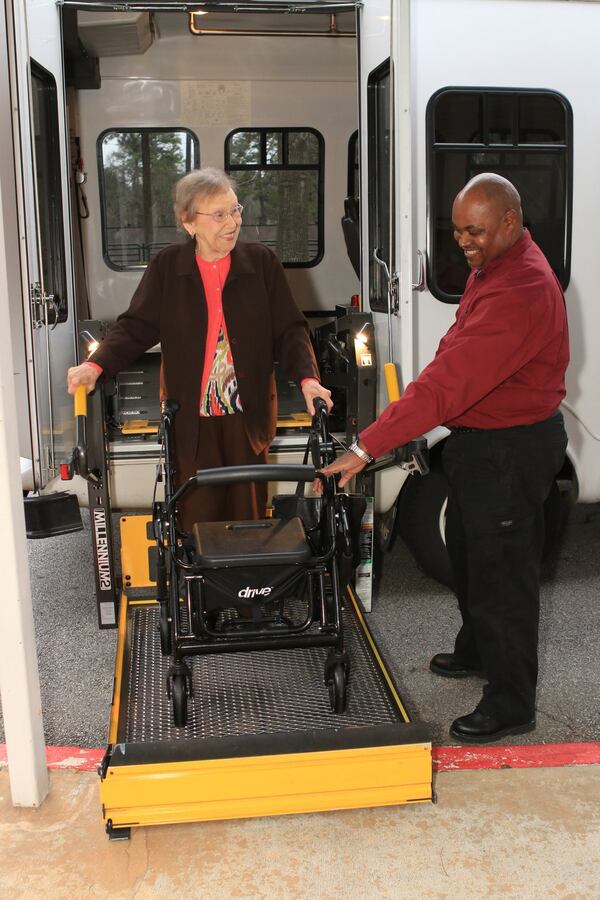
(496, 382)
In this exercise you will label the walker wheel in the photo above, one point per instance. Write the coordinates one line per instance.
(179, 698)
(164, 627)
(336, 685)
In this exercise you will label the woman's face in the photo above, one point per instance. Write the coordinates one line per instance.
(214, 239)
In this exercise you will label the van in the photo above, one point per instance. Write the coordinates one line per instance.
(348, 128)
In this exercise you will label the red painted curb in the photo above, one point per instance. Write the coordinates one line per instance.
(82, 759)
(527, 756)
(445, 759)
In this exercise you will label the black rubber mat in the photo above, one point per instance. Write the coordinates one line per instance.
(257, 692)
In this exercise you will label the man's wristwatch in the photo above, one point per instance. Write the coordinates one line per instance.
(358, 451)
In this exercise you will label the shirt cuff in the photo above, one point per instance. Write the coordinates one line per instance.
(376, 451)
(98, 368)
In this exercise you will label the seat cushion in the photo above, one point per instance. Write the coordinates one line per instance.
(259, 542)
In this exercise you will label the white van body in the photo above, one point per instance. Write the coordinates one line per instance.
(497, 44)
(154, 73)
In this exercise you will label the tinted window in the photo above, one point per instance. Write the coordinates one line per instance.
(353, 166)
(138, 168)
(48, 190)
(522, 135)
(379, 129)
(278, 174)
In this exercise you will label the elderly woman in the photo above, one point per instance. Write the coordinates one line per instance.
(223, 314)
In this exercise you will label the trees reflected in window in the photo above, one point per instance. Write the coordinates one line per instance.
(138, 168)
(279, 180)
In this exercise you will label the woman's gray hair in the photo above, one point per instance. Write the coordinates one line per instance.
(199, 183)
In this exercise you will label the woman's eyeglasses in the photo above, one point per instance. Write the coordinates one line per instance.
(220, 215)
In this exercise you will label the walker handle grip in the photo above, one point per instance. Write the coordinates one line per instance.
(238, 474)
(260, 472)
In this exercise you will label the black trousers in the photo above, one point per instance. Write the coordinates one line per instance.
(222, 441)
(499, 480)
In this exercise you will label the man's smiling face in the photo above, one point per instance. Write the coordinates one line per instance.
(482, 230)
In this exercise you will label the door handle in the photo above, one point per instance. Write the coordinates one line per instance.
(420, 284)
(51, 301)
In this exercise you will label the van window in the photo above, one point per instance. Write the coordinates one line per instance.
(138, 168)
(353, 189)
(351, 217)
(380, 135)
(524, 135)
(49, 190)
(278, 173)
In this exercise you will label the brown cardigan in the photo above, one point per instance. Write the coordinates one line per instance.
(263, 323)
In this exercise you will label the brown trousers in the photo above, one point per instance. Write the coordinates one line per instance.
(222, 441)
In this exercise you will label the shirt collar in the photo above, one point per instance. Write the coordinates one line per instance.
(241, 261)
(508, 257)
(222, 265)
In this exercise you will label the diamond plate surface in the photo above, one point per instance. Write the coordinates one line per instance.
(259, 692)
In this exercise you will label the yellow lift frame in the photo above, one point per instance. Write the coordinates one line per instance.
(163, 782)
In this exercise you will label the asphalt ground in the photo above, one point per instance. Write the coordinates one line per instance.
(413, 618)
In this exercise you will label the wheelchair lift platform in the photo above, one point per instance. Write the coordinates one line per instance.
(261, 738)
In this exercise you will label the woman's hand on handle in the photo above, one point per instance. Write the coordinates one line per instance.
(311, 389)
(83, 375)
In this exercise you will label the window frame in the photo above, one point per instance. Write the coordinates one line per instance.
(116, 129)
(284, 130)
(434, 149)
(376, 76)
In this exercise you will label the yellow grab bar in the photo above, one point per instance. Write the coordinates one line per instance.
(391, 381)
(80, 401)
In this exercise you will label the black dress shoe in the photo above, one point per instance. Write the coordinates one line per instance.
(479, 728)
(447, 665)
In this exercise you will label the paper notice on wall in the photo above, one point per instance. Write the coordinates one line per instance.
(216, 102)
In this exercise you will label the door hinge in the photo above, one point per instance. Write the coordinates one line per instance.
(393, 284)
(44, 307)
(37, 304)
(394, 290)
(50, 467)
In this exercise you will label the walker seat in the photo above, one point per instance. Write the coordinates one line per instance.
(259, 564)
(221, 545)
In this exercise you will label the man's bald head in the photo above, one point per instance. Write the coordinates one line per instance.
(487, 218)
(495, 190)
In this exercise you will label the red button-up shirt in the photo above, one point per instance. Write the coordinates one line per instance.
(501, 363)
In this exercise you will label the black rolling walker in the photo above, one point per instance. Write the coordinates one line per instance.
(269, 584)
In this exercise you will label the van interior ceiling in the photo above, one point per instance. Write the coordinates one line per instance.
(156, 92)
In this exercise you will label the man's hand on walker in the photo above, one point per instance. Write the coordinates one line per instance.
(312, 389)
(348, 465)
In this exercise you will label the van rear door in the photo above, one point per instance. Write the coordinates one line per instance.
(44, 231)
